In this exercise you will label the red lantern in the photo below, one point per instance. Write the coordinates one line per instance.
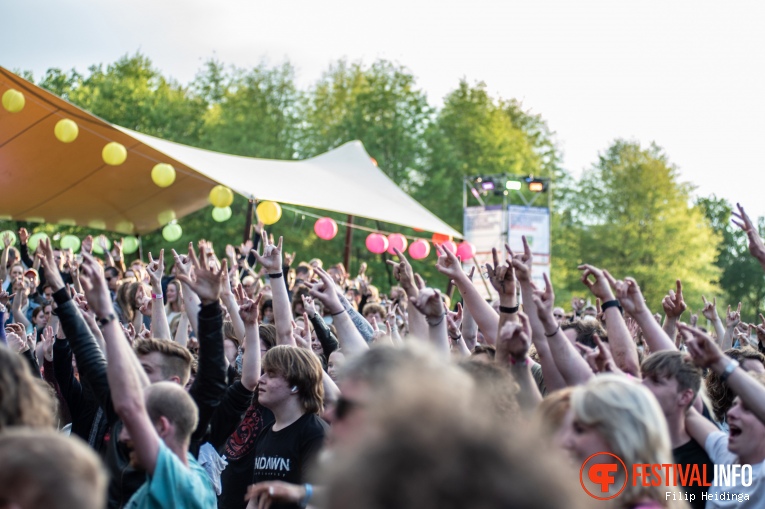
(465, 250)
(377, 243)
(440, 238)
(419, 249)
(325, 228)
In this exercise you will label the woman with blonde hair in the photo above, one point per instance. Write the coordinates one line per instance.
(24, 399)
(174, 299)
(617, 415)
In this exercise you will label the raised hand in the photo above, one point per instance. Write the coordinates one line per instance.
(733, 318)
(629, 295)
(501, 277)
(577, 304)
(522, 263)
(600, 287)
(308, 305)
(204, 282)
(710, 309)
(17, 342)
(249, 310)
(289, 258)
(156, 269)
(673, 303)
(52, 274)
(325, 291)
(703, 349)
(272, 254)
(47, 343)
(545, 302)
(183, 263)
(7, 240)
(453, 322)
(429, 303)
(756, 246)
(513, 341)
(5, 297)
(694, 321)
(95, 287)
(23, 237)
(87, 244)
(404, 273)
(302, 334)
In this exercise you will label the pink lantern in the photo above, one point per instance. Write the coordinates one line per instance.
(325, 228)
(419, 249)
(449, 246)
(396, 241)
(465, 250)
(377, 243)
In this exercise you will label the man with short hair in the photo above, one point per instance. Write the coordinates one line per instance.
(158, 420)
(675, 381)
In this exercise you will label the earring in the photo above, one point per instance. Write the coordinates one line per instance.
(294, 388)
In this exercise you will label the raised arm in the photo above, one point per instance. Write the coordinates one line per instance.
(351, 341)
(522, 263)
(706, 354)
(732, 319)
(229, 300)
(756, 246)
(248, 313)
(619, 338)
(572, 366)
(191, 302)
(710, 313)
(4, 257)
(271, 260)
(404, 274)
(431, 305)
(631, 299)
(484, 315)
(513, 342)
(160, 329)
(124, 381)
(674, 306)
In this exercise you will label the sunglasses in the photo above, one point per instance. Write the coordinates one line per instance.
(345, 406)
(558, 316)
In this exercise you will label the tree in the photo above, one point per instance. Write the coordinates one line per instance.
(253, 113)
(632, 216)
(742, 278)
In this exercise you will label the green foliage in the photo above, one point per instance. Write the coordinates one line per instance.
(742, 277)
(632, 216)
(629, 213)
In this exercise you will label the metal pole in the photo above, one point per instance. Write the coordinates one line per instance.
(348, 238)
(248, 220)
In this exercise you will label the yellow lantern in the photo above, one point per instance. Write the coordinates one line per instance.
(114, 153)
(221, 196)
(66, 130)
(13, 100)
(269, 212)
(166, 216)
(163, 175)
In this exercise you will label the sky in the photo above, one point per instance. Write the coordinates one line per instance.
(688, 75)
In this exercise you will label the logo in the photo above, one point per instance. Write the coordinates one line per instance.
(606, 475)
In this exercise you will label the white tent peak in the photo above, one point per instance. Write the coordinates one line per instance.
(342, 180)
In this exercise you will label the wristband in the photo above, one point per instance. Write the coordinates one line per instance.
(156, 296)
(308, 494)
(509, 311)
(275, 275)
(338, 313)
(553, 332)
(441, 319)
(526, 361)
(612, 304)
(455, 338)
(732, 365)
(104, 321)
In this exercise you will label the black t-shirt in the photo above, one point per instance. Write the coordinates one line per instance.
(286, 455)
(240, 454)
(691, 453)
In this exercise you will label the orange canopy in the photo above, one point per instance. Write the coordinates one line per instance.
(45, 180)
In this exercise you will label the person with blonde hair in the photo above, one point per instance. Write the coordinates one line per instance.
(616, 415)
(24, 400)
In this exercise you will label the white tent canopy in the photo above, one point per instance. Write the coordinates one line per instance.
(342, 180)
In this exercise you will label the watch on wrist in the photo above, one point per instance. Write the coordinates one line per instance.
(104, 321)
(732, 365)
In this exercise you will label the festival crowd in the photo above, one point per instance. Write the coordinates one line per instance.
(254, 380)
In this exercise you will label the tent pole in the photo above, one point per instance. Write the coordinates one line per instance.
(348, 238)
(248, 220)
